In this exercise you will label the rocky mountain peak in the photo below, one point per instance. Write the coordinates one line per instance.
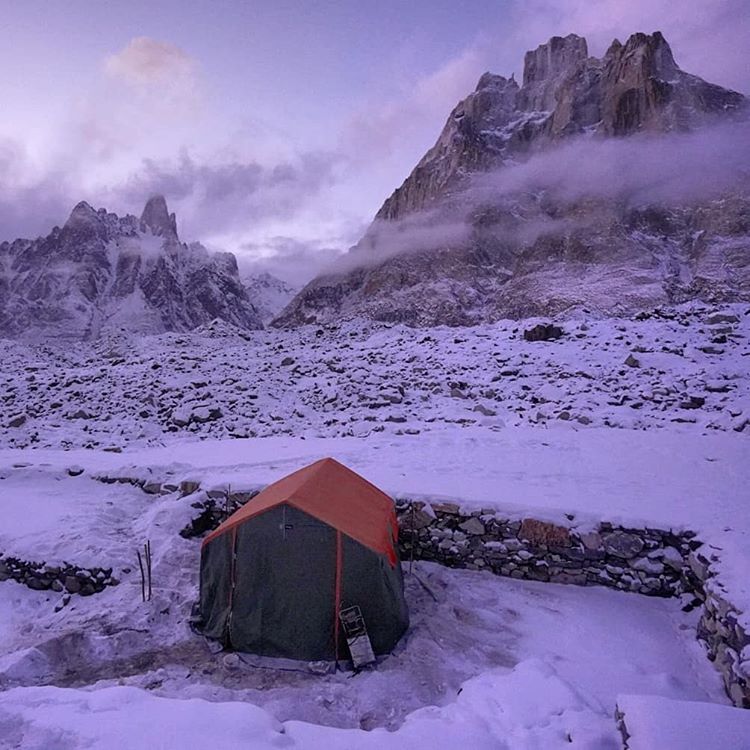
(84, 222)
(502, 266)
(157, 219)
(557, 56)
(81, 213)
(653, 52)
(99, 274)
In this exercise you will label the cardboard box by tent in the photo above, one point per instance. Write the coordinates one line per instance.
(276, 573)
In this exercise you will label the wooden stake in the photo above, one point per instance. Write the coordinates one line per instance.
(148, 565)
(413, 532)
(143, 577)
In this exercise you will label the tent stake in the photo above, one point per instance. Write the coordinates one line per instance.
(143, 577)
(148, 565)
(413, 543)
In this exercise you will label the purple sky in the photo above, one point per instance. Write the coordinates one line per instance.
(276, 129)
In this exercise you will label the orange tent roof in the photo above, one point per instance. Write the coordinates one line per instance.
(334, 494)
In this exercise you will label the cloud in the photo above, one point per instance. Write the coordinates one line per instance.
(219, 196)
(673, 169)
(291, 259)
(145, 63)
(519, 202)
(30, 201)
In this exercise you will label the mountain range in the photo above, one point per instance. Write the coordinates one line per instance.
(607, 184)
(101, 272)
(497, 219)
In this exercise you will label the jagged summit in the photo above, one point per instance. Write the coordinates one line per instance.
(102, 272)
(156, 217)
(501, 263)
(82, 213)
(635, 87)
(546, 67)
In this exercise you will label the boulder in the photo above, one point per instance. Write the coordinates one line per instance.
(543, 332)
(624, 545)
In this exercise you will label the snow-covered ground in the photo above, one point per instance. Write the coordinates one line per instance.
(562, 431)
(363, 379)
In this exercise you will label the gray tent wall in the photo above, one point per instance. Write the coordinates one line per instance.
(284, 597)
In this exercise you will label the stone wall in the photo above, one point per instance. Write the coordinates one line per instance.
(65, 578)
(727, 642)
(645, 561)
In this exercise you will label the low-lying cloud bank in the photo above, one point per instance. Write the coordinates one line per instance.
(640, 170)
(671, 170)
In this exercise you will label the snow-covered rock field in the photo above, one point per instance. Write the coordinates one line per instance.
(640, 422)
(689, 368)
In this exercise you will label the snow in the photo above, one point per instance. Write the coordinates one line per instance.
(478, 664)
(667, 479)
(488, 661)
(657, 722)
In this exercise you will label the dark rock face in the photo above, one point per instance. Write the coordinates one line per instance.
(590, 252)
(101, 272)
(157, 218)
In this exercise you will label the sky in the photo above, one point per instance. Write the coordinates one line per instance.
(276, 129)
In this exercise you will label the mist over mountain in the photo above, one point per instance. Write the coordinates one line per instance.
(101, 272)
(610, 183)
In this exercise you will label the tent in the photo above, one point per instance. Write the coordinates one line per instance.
(276, 574)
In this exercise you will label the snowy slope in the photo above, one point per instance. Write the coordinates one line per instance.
(269, 294)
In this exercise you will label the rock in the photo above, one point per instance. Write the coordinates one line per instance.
(448, 508)
(693, 402)
(473, 526)
(232, 661)
(72, 584)
(189, 486)
(543, 332)
(74, 471)
(672, 558)
(622, 544)
(87, 588)
(205, 414)
(18, 421)
(487, 412)
(631, 361)
(181, 417)
(287, 361)
(38, 584)
(699, 565)
(591, 540)
(152, 488)
(718, 318)
(542, 533)
(652, 567)
(83, 414)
